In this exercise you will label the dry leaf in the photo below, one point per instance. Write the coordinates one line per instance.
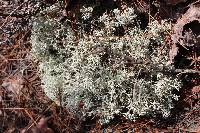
(192, 14)
(13, 84)
(196, 89)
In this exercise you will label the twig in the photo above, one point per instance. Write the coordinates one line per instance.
(181, 71)
(12, 15)
(30, 116)
(12, 108)
(39, 117)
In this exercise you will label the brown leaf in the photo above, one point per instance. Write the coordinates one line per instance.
(192, 14)
(13, 84)
(42, 126)
(196, 89)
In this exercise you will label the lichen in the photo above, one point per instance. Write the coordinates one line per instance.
(109, 74)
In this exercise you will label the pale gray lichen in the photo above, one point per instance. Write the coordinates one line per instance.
(110, 74)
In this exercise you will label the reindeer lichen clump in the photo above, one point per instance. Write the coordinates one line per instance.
(118, 68)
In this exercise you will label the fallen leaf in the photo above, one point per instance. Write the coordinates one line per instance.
(196, 89)
(13, 84)
(192, 14)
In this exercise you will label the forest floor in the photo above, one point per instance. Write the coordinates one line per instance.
(25, 108)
